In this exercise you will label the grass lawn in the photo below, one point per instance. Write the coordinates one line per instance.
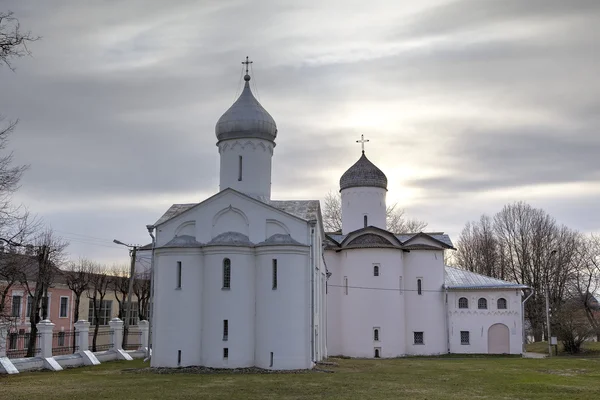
(410, 378)
(587, 349)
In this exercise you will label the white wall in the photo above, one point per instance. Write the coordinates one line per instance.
(360, 201)
(256, 166)
(477, 321)
(426, 312)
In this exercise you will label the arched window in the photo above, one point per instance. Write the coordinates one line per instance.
(419, 291)
(365, 220)
(502, 303)
(482, 303)
(463, 302)
(377, 353)
(226, 273)
(376, 270)
(376, 334)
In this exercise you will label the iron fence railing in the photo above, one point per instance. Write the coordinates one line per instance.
(18, 342)
(64, 342)
(133, 342)
(104, 340)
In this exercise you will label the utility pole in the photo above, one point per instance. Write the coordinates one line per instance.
(129, 293)
(548, 322)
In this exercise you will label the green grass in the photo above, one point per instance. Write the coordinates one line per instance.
(588, 349)
(414, 378)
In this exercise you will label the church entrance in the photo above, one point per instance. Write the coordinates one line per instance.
(498, 339)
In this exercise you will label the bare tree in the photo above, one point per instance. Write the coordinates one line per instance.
(395, 218)
(99, 286)
(77, 275)
(525, 245)
(572, 327)
(586, 280)
(13, 41)
(141, 289)
(119, 284)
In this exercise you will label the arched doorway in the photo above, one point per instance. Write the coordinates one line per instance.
(498, 339)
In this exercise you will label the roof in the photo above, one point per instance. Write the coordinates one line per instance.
(183, 241)
(304, 209)
(456, 278)
(280, 239)
(27, 265)
(403, 238)
(363, 173)
(246, 118)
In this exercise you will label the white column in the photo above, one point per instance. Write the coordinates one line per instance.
(82, 330)
(3, 338)
(45, 329)
(116, 326)
(144, 328)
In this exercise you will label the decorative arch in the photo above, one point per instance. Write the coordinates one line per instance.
(249, 143)
(230, 219)
(187, 228)
(498, 339)
(274, 227)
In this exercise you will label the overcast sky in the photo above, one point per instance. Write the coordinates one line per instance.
(468, 105)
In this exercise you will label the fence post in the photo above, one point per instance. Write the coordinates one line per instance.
(45, 329)
(144, 329)
(116, 326)
(82, 329)
(3, 338)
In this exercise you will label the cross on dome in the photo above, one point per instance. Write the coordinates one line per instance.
(362, 142)
(247, 63)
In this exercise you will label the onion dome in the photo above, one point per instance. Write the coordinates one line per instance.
(246, 118)
(363, 173)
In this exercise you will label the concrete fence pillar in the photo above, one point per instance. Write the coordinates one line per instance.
(116, 326)
(144, 329)
(3, 338)
(82, 330)
(45, 329)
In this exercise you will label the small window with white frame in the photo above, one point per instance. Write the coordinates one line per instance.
(482, 303)
(502, 304)
(376, 332)
(64, 307)
(419, 337)
(376, 270)
(464, 337)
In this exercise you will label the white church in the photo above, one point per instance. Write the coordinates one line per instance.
(242, 280)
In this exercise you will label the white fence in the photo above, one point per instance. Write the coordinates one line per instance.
(81, 355)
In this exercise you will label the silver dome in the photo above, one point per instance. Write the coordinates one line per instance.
(363, 173)
(246, 118)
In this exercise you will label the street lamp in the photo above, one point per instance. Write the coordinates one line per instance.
(133, 251)
(552, 253)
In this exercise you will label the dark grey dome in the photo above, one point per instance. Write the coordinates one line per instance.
(230, 239)
(246, 118)
(363, 173)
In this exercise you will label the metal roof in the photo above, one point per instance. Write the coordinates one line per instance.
(456, 278)
(246, 118)
(303, 209)
(403, 237)
(363, 173)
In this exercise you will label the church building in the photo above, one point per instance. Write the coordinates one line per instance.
(242, 280)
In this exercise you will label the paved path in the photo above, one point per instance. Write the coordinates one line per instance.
(534, 355)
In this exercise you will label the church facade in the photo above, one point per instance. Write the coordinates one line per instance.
(242, 280)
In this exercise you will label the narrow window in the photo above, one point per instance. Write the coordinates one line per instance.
(178, 275)
(482, 304)
(61, 338)
(377, 352)
(419, 283)
(463, 302)
(464, 337)
(178, 357)
(240, 169)
(64, 307)
(225, 329)
(400, 288)
(271, 361)
(346, 285)
(226, 273)
(419, 338)
(225, 353)
(502, 303)
(12, 340)
(365, 220)
(376, 334)
(29, 306)
(16, 306)
(274, 274)
(376, 270)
